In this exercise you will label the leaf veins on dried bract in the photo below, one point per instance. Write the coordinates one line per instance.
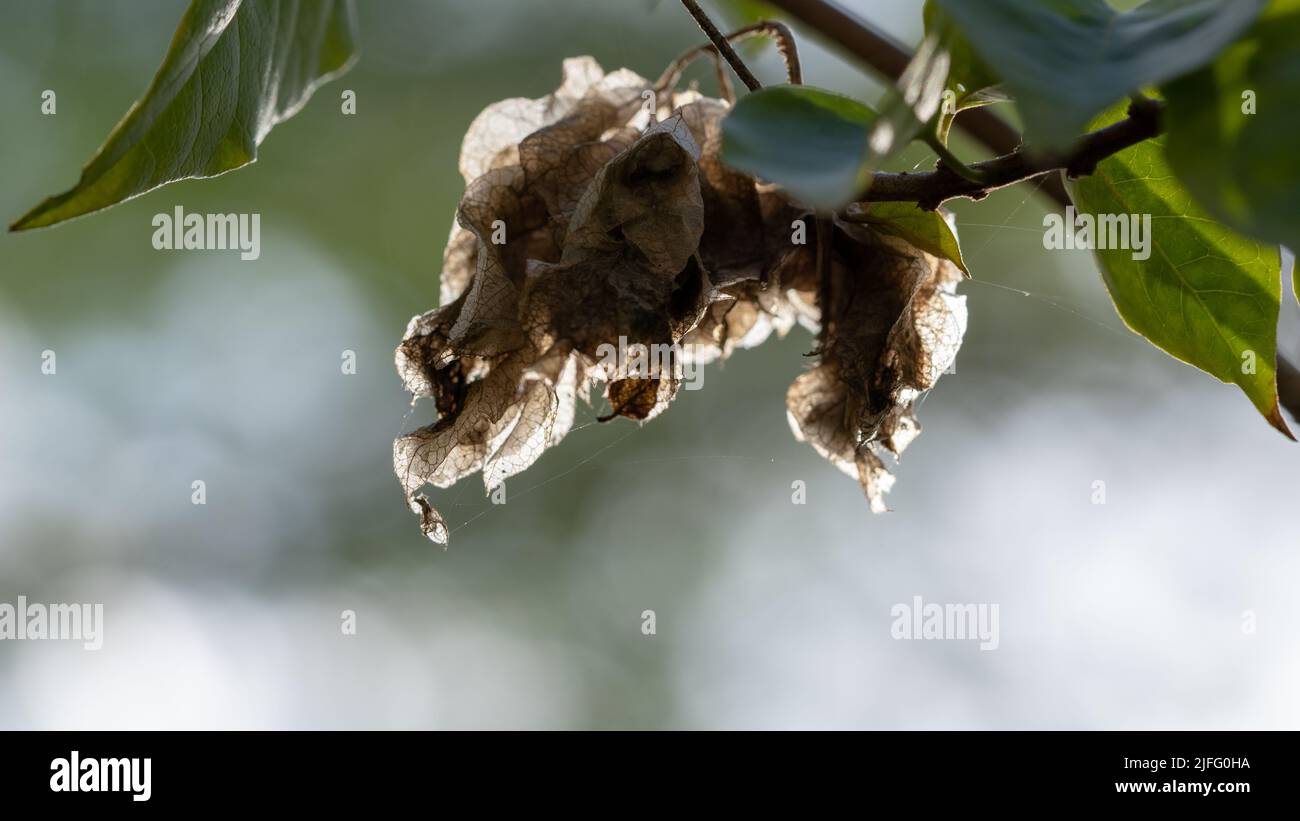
(620, 224)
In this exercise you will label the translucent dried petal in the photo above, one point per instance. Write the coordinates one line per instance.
(458, 445)
(492, 140)
(527, 435)
(424, 347)
(641, 399)
(733, 246)
(635, 229)
(587, 228)
(894, 326)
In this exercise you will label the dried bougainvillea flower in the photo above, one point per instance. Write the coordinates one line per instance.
(600, 219)
(578, 229)
(894, 327)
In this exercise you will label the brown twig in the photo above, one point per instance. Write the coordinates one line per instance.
(779, 32)
(931, 189)
(720, 43)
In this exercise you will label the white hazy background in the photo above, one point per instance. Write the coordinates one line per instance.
(181, 366)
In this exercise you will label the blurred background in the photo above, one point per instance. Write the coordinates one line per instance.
(176, 367)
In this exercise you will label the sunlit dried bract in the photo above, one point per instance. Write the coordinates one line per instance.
(601, 217)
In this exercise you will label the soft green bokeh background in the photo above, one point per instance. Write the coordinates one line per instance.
(181, 366)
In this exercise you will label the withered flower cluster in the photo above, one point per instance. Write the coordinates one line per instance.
(603, 211)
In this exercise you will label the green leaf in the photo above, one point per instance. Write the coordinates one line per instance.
(233, 71)
(1233, 129)
(812, 142)
(968, 75)
(906, 108)
(1206, 295)
(985, 96)
(1065, 61)
(971, 82)
(927, 230)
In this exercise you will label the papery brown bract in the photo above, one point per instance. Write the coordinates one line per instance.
(894, 327)
(602, 219)
(592, 223)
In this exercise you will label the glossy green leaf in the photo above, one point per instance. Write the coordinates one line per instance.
(968, 75)
(1064, 61)
(991, 95)
(811, 142)
(927, 230)
(1234, 126)
(906, 109)
(1206, 294)
(233, 71)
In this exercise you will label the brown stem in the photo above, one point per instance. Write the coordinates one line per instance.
(931, 189)
(785, 45)
(720, 43)
(766, 28)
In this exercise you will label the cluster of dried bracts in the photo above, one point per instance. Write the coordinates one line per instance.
(601, 215)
